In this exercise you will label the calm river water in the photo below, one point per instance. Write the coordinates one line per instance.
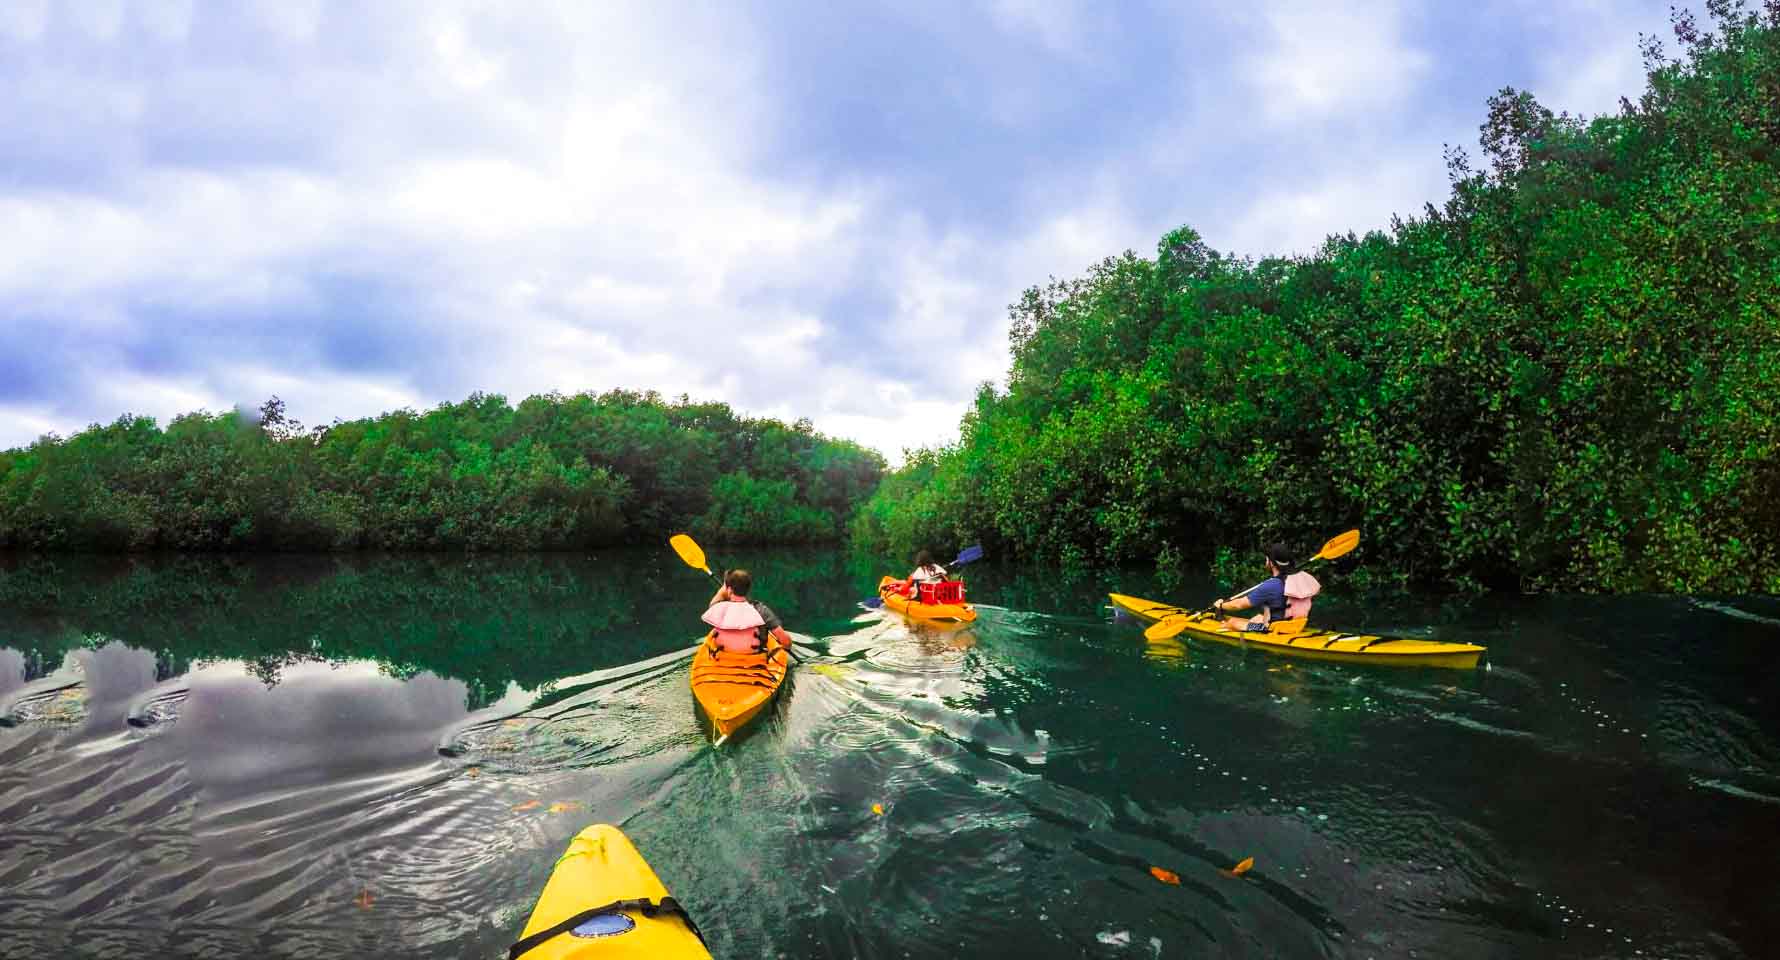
(329, 757)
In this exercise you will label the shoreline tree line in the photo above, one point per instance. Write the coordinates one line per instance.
(1565, 377)
(553, 472)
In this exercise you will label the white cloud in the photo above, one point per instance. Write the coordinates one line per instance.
(98, 19)
(1058, 24)
(1329, 59)
(169, 21)
(24, 21)
(1599, 62)
(20, 424)
(293, 21)
(180, 232)
(1296, 220)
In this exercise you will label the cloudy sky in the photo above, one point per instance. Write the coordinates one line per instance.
(804, 209)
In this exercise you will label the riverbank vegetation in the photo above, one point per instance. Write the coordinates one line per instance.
(1566, 376)
(553, 472)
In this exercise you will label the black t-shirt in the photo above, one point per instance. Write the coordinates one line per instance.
(766, 613)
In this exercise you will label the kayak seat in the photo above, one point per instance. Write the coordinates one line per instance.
(1286, 628)
(946, 591)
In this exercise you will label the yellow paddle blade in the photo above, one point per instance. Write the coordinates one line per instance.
(1166, 627)
(689, 551)
(1341, 546)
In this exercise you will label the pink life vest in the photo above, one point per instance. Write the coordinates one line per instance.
(1300, 587)
(736, 624)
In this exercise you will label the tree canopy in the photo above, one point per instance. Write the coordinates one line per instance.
(1564, 377)
(553, 472)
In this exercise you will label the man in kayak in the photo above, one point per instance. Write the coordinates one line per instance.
(736, 585)
(1268, 596)
(926, 571)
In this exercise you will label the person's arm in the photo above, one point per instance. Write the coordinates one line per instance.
(721, 595)
(1234, 603)
(779, 634)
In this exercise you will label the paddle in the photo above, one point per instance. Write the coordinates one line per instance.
(694, 555)
(1174, 623)
(970, 554)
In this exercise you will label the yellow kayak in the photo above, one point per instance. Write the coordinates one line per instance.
(915, 610)
(733, 688)
(1292, 638)
(601, 902)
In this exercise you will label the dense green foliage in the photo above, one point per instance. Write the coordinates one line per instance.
(553, 472)
(1567, 376)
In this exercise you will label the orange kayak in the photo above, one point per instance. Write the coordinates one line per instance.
(915, 610)
(733, 688)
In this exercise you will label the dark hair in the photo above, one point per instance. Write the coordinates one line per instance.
(1280, 554)
(739, 582)
(923, 559)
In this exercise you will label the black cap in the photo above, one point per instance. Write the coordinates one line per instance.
(1280, 554)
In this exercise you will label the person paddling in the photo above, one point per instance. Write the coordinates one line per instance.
(1269, 597)
(926, 571)
(742, 624)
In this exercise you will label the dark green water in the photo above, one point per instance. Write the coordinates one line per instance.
(317, 757)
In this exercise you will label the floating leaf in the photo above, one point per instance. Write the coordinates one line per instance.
(1166, 876)
(1243, 867)
(563, 807)
(472, 772)
(878, 809)
(364, 899)
(528, 805)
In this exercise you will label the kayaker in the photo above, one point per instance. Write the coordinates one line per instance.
(1269, 596)
(926, 571)
(741, 623)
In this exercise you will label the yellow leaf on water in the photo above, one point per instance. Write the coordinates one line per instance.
(563, 807)
(363, 900)
(1243, 867)
(878, 809)
(472, 772)
(1166, 876)
(528, 805)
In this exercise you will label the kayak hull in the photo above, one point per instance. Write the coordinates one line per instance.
(1312, 644)
(602, 867)
(733, 688)
(934, 612)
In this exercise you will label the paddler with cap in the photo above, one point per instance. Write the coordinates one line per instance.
(1267, 597)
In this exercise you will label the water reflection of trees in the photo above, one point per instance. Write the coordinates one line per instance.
(488, 621)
